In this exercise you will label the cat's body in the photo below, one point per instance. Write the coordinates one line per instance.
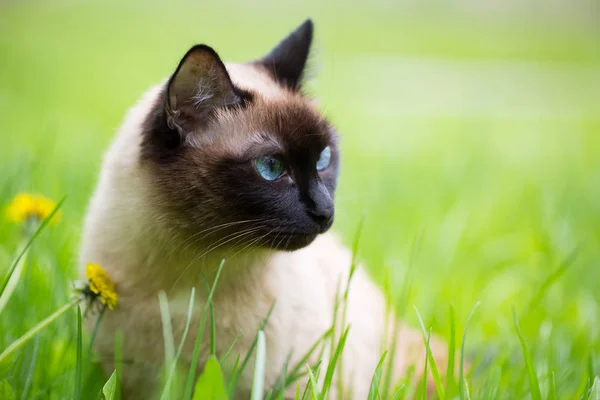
(149, 241)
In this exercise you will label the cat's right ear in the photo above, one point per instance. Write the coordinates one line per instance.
(287, 61)
(199, 85)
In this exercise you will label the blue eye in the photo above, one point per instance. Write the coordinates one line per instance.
(269, 167)
(324, 159)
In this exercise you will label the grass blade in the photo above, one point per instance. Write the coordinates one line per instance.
(172, 367)
(211, 385)
(334, 324)
(31, 333)
(353, 266)
(284, 384)
(315, 395)
(258, 383)
(552, 392)
(30, 370)
(552, 278)
(235, 378)
(109, 390)
(297, 370)
(308, 387)
(434, 370)
(332, 364)
(595, 390)
(398, 393)
(236, 367)
(427, 352)
(492, 383)
(118, 362)
(585, 388)
(165, 316)
(355, 248)
(278, 388)
(79, 365)
(12, 281)
(387, 380)
(237, 337)
(92, 340)
(534, 386)
(374, 390)
(592, 368)
(450, 380)
(39, 230)
(591, 377)
(462, 382)
(6, 391)
(401, 305)
(189, 385)
(213, 331)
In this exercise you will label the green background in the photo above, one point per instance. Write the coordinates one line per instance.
(470, 143)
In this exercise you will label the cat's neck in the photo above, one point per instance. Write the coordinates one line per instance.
(200, 264)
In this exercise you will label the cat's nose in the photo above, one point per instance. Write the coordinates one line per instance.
(320, 207)
(323, 217)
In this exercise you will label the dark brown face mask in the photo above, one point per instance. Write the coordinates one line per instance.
(272, 181)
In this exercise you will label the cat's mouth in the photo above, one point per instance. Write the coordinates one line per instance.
(290, 238)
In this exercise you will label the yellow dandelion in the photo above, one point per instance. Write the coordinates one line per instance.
(26, 206)
(100, 285)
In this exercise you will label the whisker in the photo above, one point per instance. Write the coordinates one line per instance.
(287, 243)
(212, 229)
(216, 245)
(253, 242)
(280, 241)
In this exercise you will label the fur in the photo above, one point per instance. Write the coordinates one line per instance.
(165, 213)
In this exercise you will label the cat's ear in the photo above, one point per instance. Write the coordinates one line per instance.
(287, 60)
(199, 85)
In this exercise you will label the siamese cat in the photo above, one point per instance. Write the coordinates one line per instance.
(234, 162)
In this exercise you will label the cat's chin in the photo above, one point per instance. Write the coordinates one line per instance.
(293, 242)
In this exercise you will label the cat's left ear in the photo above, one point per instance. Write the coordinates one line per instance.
(287, 61)
(199, 85)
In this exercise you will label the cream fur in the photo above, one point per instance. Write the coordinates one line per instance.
(125, 235)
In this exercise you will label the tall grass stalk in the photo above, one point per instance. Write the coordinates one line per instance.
(40, 326)
(189, 385)
(16, 269)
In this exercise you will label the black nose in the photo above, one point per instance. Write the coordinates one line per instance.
(323, 217)
(320, 205)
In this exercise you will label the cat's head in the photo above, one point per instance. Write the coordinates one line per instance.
(238, 155)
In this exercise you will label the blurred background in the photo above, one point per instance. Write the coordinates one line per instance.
(470, 143)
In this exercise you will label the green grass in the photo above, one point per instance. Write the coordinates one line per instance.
(477, 133)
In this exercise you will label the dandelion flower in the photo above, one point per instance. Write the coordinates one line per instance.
(26, 206)
(101, 286)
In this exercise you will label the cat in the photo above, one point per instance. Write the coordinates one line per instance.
(234, 162)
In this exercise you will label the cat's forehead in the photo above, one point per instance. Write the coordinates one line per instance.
(275, 117)
(254, 78)
(286, 124)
